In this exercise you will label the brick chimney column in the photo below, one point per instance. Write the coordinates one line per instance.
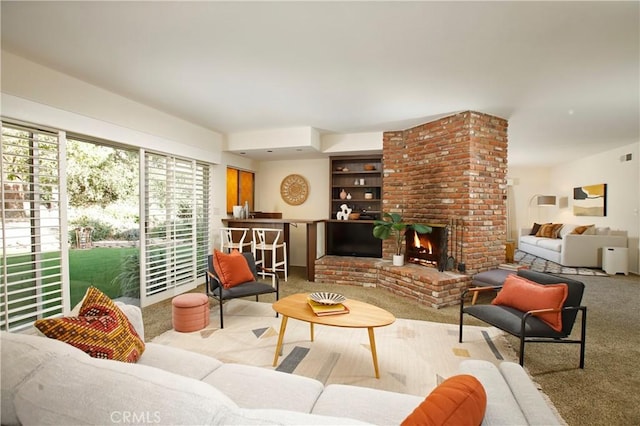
(454, 167)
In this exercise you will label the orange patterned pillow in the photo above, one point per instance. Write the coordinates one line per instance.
(525, 295)
(232, 268)
(549, 230)
(101, 329)
(459, 400)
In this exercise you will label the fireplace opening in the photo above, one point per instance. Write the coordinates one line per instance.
(428, 249)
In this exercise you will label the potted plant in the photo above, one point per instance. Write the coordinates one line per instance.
(393, 226)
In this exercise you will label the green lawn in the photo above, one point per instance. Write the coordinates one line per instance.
(96, 267)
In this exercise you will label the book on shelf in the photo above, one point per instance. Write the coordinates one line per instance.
(322, 310)
(512, 266)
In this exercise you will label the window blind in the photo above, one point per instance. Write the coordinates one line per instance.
(175, 225)
(32, 233)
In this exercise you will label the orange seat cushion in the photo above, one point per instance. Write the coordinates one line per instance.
(189, 300)
(525, 295)
(232, 268)
(458, 401)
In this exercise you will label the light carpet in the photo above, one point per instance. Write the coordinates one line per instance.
(539, 264)
(413, 356)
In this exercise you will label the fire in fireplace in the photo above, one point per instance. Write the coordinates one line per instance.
(428, 249)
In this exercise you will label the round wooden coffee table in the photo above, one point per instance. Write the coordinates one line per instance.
(361, 315)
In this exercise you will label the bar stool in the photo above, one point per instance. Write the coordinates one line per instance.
(228, 243)
(266, 240)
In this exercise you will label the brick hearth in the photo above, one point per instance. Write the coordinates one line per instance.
(426, 285)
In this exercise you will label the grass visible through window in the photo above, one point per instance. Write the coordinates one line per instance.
(96, 267)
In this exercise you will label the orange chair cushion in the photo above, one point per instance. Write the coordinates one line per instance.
(459, 400)
(232, 268)
(101, 329)
(525, 295)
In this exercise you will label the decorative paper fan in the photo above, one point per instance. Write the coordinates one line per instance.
(325, 298)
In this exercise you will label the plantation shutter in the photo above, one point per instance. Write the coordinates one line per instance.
(175, 232)
(34, 256)
(202, 188)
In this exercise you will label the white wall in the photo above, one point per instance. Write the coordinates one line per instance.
(347, 143)
(275, 138)
(34, 93)
(623, 193)
(527, 182)
(268, 198)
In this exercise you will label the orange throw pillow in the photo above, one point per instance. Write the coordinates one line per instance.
(232, 268)
(459, 400)
(525, 295)
(579, 230)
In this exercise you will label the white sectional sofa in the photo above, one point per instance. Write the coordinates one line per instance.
(583, 250)
(45, 381)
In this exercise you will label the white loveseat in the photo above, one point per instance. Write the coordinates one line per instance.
(45, 381)
(576, 250)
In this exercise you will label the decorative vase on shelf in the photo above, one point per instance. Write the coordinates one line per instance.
(343, 194)
(348, 196)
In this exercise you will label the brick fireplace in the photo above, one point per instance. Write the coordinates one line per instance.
(451, 169)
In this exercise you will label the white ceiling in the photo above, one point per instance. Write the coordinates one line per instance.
(565, 74)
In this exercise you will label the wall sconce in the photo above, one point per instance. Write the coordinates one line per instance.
(563, 202)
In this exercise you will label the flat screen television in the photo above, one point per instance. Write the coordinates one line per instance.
(352, 239)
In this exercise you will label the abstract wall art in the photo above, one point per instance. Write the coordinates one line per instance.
(590, 200)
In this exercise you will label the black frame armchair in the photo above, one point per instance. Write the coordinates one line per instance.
(216, 290)
(525, 325)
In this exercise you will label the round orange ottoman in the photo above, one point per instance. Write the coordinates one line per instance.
(190, 312)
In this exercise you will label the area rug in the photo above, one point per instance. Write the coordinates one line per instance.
(539, 264)
(413, 356)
